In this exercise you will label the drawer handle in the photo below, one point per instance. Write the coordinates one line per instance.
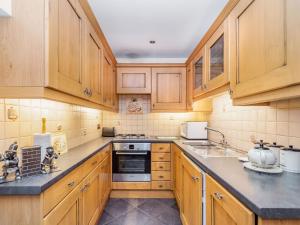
(161, 158)
(161, 176)
(71, 184)
(161, 167)
(218, 195)
(94, 163)
(160, 186)
(161, 148)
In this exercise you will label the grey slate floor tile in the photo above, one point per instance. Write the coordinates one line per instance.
(140, 212)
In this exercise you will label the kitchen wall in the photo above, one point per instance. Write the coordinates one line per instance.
(279, 122)
(75, 121)
(153, 124)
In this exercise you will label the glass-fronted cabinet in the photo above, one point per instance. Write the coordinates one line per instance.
(217, 58)
(199, 74)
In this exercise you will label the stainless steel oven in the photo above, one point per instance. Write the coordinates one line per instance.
(131, 162)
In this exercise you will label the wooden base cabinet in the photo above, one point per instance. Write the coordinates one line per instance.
(177, 173)
(68, 211)
(224, 209)
(191, 193)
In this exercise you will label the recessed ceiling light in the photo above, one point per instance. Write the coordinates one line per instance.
(152, 42)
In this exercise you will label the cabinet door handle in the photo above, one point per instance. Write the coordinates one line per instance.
(218, 195)
(71, 184)
(195, 178)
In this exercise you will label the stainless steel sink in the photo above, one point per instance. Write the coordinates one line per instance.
(198, 143)
(207, 149)
(215, 151)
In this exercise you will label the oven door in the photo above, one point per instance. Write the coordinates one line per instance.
(131, 166)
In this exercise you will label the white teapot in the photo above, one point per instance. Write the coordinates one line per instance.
(261, 156)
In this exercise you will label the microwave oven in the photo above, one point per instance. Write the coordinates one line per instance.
(194, 130)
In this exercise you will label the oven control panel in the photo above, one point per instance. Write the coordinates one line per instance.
(131, 146)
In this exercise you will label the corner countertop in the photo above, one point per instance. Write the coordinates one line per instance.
(270, 196)
(67, 162)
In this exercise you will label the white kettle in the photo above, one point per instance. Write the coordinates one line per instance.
(261, 156)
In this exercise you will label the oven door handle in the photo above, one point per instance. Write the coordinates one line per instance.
(131, 153)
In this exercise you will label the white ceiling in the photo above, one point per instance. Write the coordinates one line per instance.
(176, 25)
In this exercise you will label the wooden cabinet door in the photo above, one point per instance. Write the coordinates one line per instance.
(168, 89)
(191, 193)
(199, 74)
(90, 199)
(265, 46)
(104, 181)
(177, 173)
(92, 76)
(217, 54)
(107, 81)
(134, 80)
(189, 86)
(68, 211)
(223, 209)
(65, 46)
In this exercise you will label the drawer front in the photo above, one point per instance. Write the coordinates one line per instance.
(104, 153)
(161, 185)
(160, 147)
(91, 164)
(161, 175)
(161, 166)
(57, 192)
(161, 157)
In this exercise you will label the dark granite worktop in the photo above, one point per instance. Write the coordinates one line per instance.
(66, 163)
(268, 196)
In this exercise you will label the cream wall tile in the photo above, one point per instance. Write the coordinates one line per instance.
(294, 115)
(294, 129)
(2, 130)
(25, 129)
(2, 113)
(278, 122)
(283, 128)
(11, 130)
(25, 113)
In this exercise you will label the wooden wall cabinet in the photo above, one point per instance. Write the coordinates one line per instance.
(92, 79)
(134, 80)
(217, 54)
(222, 208)
(61, 58)
(168, 89)
(108, 81)
(210, 65)
(191, 193)
(265, 46)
